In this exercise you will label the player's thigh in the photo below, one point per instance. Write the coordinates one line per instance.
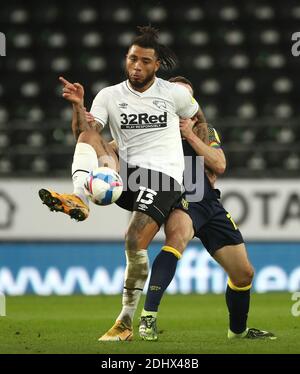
(234, 260)
(151, 207)
(141, 230)
(178, 230)
(105, 152)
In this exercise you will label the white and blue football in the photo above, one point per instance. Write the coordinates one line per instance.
(103, 186)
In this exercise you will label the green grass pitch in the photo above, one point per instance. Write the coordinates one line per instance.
(188, 324)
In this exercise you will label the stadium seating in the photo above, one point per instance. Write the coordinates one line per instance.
(237, 54)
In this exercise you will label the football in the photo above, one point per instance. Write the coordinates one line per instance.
(103, 186)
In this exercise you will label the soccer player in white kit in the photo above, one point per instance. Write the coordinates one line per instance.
(143, 115)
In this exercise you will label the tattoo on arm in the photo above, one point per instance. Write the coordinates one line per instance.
(81, 120)
(79, 123)
(201, 130)
(200, 127)
(95, 125)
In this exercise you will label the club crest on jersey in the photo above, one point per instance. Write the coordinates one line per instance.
(160, 104)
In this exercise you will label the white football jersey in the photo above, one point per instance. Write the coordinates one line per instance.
(145, 125)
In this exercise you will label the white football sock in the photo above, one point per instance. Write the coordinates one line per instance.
(84, 161)
(136, 274)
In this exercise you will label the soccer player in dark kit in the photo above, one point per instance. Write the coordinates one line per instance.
(213, 225)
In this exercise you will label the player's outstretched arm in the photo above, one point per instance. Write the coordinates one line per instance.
(74, 93)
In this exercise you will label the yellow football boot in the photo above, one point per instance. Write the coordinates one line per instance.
(66, 203)
(119, 332)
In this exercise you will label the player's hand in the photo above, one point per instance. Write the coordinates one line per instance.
(186, 127)
(73, 92)
(88, 116)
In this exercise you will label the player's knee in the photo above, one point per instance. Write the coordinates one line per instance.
(177, 237)
(244, 278)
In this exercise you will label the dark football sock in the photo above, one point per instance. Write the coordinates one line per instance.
(162, 273)
(238, 303)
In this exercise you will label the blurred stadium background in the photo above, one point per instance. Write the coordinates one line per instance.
(237, 54)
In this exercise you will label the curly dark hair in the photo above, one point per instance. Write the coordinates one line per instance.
(148, 38)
